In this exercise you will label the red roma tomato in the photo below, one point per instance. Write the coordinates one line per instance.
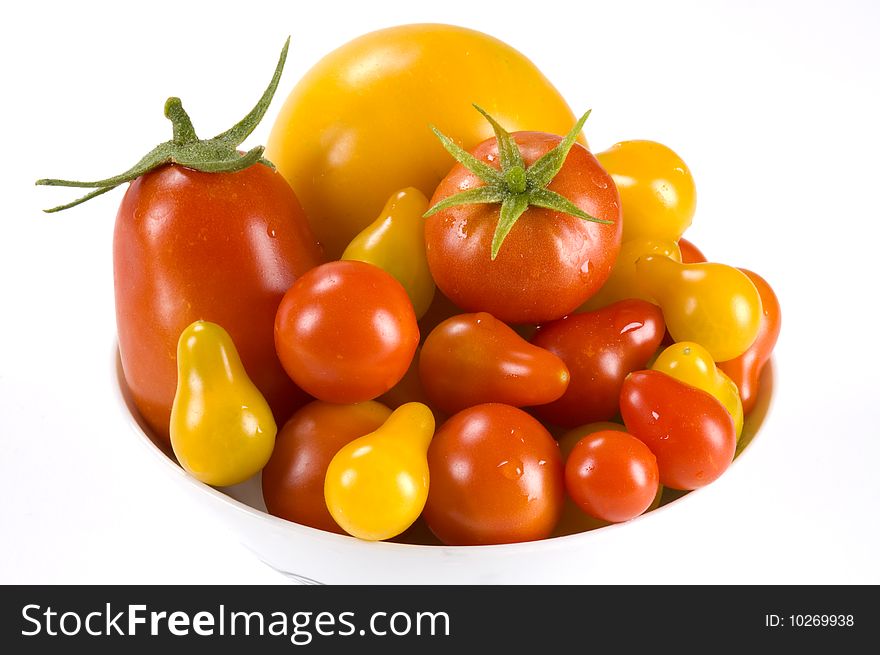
(688, 430)
(746, 369)
(472, 359)
(346, 332)
(690, 254)
(293, 480)
(219, 247)
(612, 476)
(549, 263)
(600, 349)
(496, 477)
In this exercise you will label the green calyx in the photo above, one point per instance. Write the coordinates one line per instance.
(516, 187)
(216, 155)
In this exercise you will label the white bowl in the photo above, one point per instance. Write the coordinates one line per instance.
(660, 546)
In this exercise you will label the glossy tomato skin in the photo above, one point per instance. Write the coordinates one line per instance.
(600, 348)
(745, 370)
(472, 359)
(496, 477)
(612, 476)
(689, 431)
(356, 127)
(346, 332)
(550, 263)
(293, 480)
(219, 247)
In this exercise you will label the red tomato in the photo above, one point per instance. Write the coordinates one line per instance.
(293, 480)
(612, 476)
(496, 477)
(219, 247)
(472, 359)
(346, 332)
(600, 349)
(689, 431)
(746, 369)
(549, 263)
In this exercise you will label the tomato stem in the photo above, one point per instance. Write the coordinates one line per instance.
(219, 154)
(516, 186)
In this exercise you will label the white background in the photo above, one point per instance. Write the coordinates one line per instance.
(774, 106)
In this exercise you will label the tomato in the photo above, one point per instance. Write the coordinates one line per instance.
(220, 247)
(656, 189)
(599, 348)
(472, 359)
(222, 430)
(215, 236)
(355, 128)
(346, 332)
(543, 243)
(293, 480)
(689, 431)
(690, 254)
(745, 370)
(623, 282)
(690, 363)
(496, 477)
(395, 242)
(376, 486)
(612, 476)
(715, 305)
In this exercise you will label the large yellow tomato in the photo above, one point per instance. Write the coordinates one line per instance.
(356, 127)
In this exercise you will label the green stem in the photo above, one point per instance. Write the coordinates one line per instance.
(516, 186)
(219, 154)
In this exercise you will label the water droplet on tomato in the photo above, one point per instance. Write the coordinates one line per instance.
(271, 232)
(511, 469)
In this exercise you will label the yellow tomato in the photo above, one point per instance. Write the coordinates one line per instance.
(376, 486)
(657, 191)
(622, 283)
(692, 364)
(395, 242)
(715, 305)
(222, 430)
(357, 125)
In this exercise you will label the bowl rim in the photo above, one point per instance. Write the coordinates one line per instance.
(171, 467)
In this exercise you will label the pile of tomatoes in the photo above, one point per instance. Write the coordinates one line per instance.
(460, 316)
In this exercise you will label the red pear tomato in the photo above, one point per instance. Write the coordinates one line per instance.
(689, 431)
(472, 359)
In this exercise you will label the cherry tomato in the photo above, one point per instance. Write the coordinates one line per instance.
(612, 476)
(537, 267)
(689, 431)
(599, 348)
(715, 305)
(355, 128)
(656, 189)
(745, 370)
(376, 486)
(205, 246)
(472, 359)
(496, 477)
(293, 480)
(346, 332)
